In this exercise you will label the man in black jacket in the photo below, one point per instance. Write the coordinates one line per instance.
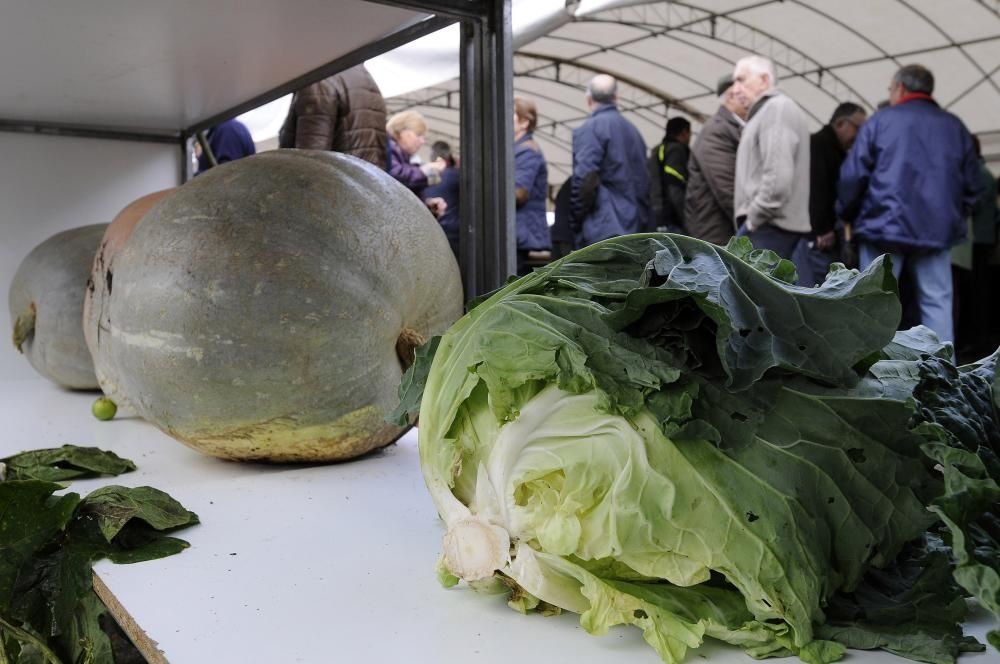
(668, 176)
(708, 206)
(827, 150)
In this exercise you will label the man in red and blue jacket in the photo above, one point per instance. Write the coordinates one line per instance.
(908, 186)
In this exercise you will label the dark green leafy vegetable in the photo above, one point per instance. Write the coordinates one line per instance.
(48, 545)
(412, 386)
(654, 424)
(65, 463)
(912, 608)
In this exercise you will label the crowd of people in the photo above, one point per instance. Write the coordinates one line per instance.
(905, 181)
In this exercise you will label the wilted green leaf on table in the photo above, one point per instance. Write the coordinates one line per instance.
(48, 545)
(65, 463)
(115, 506)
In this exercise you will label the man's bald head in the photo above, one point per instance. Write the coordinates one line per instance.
(603, 89)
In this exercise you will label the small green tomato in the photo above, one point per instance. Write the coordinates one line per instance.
(104, 409)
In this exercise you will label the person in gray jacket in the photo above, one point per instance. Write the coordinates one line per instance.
(708, 208)
(772, 165)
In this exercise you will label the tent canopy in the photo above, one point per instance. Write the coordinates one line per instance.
(668, 57)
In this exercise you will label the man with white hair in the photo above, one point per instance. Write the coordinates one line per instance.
(610, 182)
(772, 165)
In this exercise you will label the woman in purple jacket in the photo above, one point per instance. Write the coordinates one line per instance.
(407, 134)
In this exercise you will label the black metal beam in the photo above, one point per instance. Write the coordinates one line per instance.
(455, 9)
(202, 137)
(87, 131)
(406, 34)
(487, 238)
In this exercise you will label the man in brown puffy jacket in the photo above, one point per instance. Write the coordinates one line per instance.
(344, 113)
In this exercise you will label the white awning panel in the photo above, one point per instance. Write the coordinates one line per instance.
(669, 55)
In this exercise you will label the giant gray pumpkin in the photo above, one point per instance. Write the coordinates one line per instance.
(266, 309)
(46, 306)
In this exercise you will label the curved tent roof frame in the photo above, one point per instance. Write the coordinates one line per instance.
(667, 56)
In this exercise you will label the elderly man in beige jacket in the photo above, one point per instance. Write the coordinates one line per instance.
(772, 165)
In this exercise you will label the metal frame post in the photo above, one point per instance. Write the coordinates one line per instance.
(487, 237)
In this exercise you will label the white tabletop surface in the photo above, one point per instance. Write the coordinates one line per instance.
(316, 564)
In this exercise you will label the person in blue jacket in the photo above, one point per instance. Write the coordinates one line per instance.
(229, 141)
(908, 185)
(610, 182)
(531, 184)
(448, 190)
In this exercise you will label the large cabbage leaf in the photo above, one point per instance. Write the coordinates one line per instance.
(661, 432)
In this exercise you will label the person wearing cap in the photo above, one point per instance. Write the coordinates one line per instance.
(708, 205)
(668, 176)
(771, 191)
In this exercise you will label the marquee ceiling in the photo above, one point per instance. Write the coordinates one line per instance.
(669, 55)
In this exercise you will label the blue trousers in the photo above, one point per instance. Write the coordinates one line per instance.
(931, 276)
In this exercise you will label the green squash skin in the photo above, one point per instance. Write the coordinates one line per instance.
(254, 312)
(52, 280)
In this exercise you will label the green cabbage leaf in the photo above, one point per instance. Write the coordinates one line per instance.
(661, 432)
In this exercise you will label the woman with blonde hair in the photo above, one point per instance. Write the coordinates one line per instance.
(407, 132)
(531, 183)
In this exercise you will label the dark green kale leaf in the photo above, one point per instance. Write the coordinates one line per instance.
(912, 608)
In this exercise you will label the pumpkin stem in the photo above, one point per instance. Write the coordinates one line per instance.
(24, 327)
(406, 346)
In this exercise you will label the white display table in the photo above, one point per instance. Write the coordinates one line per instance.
(315, 564)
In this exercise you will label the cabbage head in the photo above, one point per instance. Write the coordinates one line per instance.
(660, 432)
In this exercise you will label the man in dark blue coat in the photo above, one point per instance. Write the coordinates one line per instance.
(610, 182)
(447, 189)
(908, 186)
